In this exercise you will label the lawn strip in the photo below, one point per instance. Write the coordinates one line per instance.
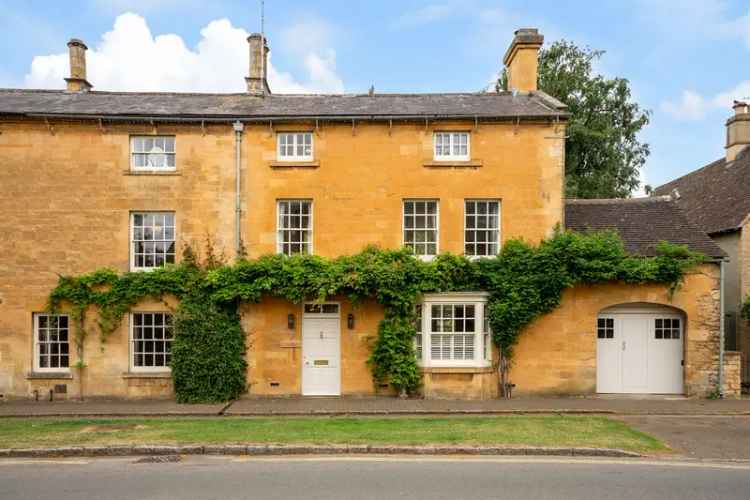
(516, 430)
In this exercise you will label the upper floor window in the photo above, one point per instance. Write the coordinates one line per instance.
(150, 341)
(294, 227)
(452, 146)
(421, 229)
(152, 239)
(152, 152)
(294, 146)
(51, 343)
(481, 228)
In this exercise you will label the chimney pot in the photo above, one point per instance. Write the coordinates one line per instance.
(77, 54)
(522, 59)
(257, 82)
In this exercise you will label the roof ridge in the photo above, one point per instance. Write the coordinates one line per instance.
(341, 94)
(693, 172)
(615, 201)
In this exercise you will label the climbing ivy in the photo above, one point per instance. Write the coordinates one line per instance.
(524, 282)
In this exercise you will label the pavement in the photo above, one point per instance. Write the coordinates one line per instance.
(641, 405)
(707, 437)
(334, 478)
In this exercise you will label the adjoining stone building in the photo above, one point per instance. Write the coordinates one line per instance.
(716, 199)
(92, 179)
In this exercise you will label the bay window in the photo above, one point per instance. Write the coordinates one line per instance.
(452, 330)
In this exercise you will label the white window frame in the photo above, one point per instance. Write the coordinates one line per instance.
(295, 136)
(165, 168)
(451, 136)
(479, 301)
(131, 231)
(476, 230)
(131, 343)
(310, 229)
(426, 257)
(36, 364)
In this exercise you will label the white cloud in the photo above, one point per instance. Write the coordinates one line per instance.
(130, 58)
(425, 15)
(692, 106)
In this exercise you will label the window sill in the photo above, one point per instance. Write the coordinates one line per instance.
(452, 164)
(151, 172)
(295, 164)
(135, 375)
(458, 369)
(49, 376)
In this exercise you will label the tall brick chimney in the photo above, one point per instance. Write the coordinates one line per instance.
(522, 59)
(77, 53)
(257, 83)
(738, 130)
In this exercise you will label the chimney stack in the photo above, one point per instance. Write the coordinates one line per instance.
(257, 84)
(522, 60)
(77, 53)
(738, 130)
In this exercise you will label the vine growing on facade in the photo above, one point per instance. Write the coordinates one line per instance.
(524, 282)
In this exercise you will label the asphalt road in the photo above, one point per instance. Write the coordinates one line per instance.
(370, 478)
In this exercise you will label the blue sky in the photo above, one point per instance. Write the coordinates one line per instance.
(686, 59)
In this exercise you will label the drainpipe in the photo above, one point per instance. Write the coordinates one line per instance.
(721, 328)
(238, 128)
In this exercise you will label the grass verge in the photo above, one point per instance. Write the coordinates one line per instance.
(566, 431)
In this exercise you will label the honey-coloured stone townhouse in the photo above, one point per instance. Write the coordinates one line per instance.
(92, 179)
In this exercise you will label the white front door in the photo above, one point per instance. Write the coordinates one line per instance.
(639, 353)
(321, 350)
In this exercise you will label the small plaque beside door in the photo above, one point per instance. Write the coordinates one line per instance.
(320, 362)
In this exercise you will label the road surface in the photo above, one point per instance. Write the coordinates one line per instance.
(332, 478)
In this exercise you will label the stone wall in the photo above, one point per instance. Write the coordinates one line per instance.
(732, 388)
(557, 353)
(66, 193)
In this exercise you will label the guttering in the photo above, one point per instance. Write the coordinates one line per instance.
(282, 118)
(238, 129)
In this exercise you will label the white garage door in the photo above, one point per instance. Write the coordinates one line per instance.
(639, 352)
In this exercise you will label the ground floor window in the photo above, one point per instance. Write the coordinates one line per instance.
(51, 343)
(151, 341)
(452, 330)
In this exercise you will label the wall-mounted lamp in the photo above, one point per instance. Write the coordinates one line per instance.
(290, 321)
(350, 321)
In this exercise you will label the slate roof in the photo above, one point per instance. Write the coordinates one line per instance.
(716, 197)
(502, 105)
(641, 223)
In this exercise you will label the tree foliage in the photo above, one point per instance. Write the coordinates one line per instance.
(603, 155)
(524, 282)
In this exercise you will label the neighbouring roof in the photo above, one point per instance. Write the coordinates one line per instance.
(641, 223)
(716, 197)
(499, 105)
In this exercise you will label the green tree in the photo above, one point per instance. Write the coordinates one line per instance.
(603, 155)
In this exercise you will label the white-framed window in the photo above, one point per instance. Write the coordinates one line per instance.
(453, 330)
(294, 146)
(152, 152)
(51, 342)
(452, 146)
(486, 339)
(151, 336)
(422, 227)
(294, 228)
(418, 337)
(481, 228)
(152, 239)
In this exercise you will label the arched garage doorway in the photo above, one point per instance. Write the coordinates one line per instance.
(639, 349)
